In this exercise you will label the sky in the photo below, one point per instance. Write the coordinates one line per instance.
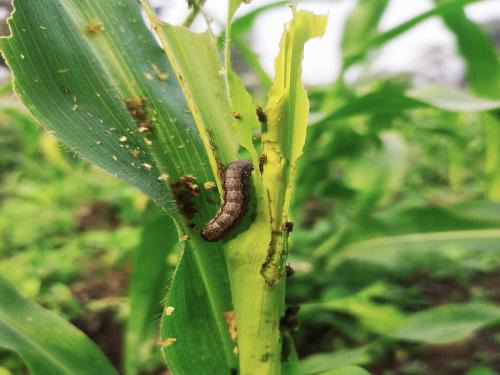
(322, 56)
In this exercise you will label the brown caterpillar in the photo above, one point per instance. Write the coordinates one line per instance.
(236, 184)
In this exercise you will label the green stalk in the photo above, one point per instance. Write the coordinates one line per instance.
(261, 304)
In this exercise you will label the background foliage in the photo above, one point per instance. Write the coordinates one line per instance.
(396, 237)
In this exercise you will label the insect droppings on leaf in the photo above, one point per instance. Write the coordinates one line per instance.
(169, 310)
(184, 191)
(163, 177)
(261, 115)
(161, 76)
(266, 357)
(135, 152)
(167, 342)
(287, 227)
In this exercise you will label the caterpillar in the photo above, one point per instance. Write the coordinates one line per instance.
(235, 184)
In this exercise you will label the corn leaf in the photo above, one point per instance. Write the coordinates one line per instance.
(105, 91)
(362, 21)
(447, 324)
(319, 363)
(93, 75)
(149, 280)
(199, 71)
(389, 251)
(45, 341)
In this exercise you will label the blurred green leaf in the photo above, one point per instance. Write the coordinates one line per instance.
(376, 103)
(451, 99)
(381, 229)
(376, 317)
(447, 324)
(420, 216)
(386, 102)
(389, 251)
(492, 163)
(483, 72)
(148, 284)
(382, 38)
(361, 22)
(483, 66)
(380, 175)
(481, 371)
(319, 363)
(375, 178)
(47, 343)
(348, 370)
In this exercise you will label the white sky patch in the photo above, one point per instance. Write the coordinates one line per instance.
(3, 13)
(486, 10)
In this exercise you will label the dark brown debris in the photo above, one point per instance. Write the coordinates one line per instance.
(184, 190)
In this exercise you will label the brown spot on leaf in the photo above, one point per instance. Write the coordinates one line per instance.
(262, 162)
(208, 185)
(137, 109)
(135, 106)
(93, 27)
(184, 190)
(167, 342)
(230, 319)
(135, 152)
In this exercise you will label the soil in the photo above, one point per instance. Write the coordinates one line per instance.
(102, 327)
(97, 215)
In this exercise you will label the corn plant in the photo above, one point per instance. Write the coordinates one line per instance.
(170, 117)
(168, 120)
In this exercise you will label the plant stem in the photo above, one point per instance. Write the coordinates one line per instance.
(195, 9)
